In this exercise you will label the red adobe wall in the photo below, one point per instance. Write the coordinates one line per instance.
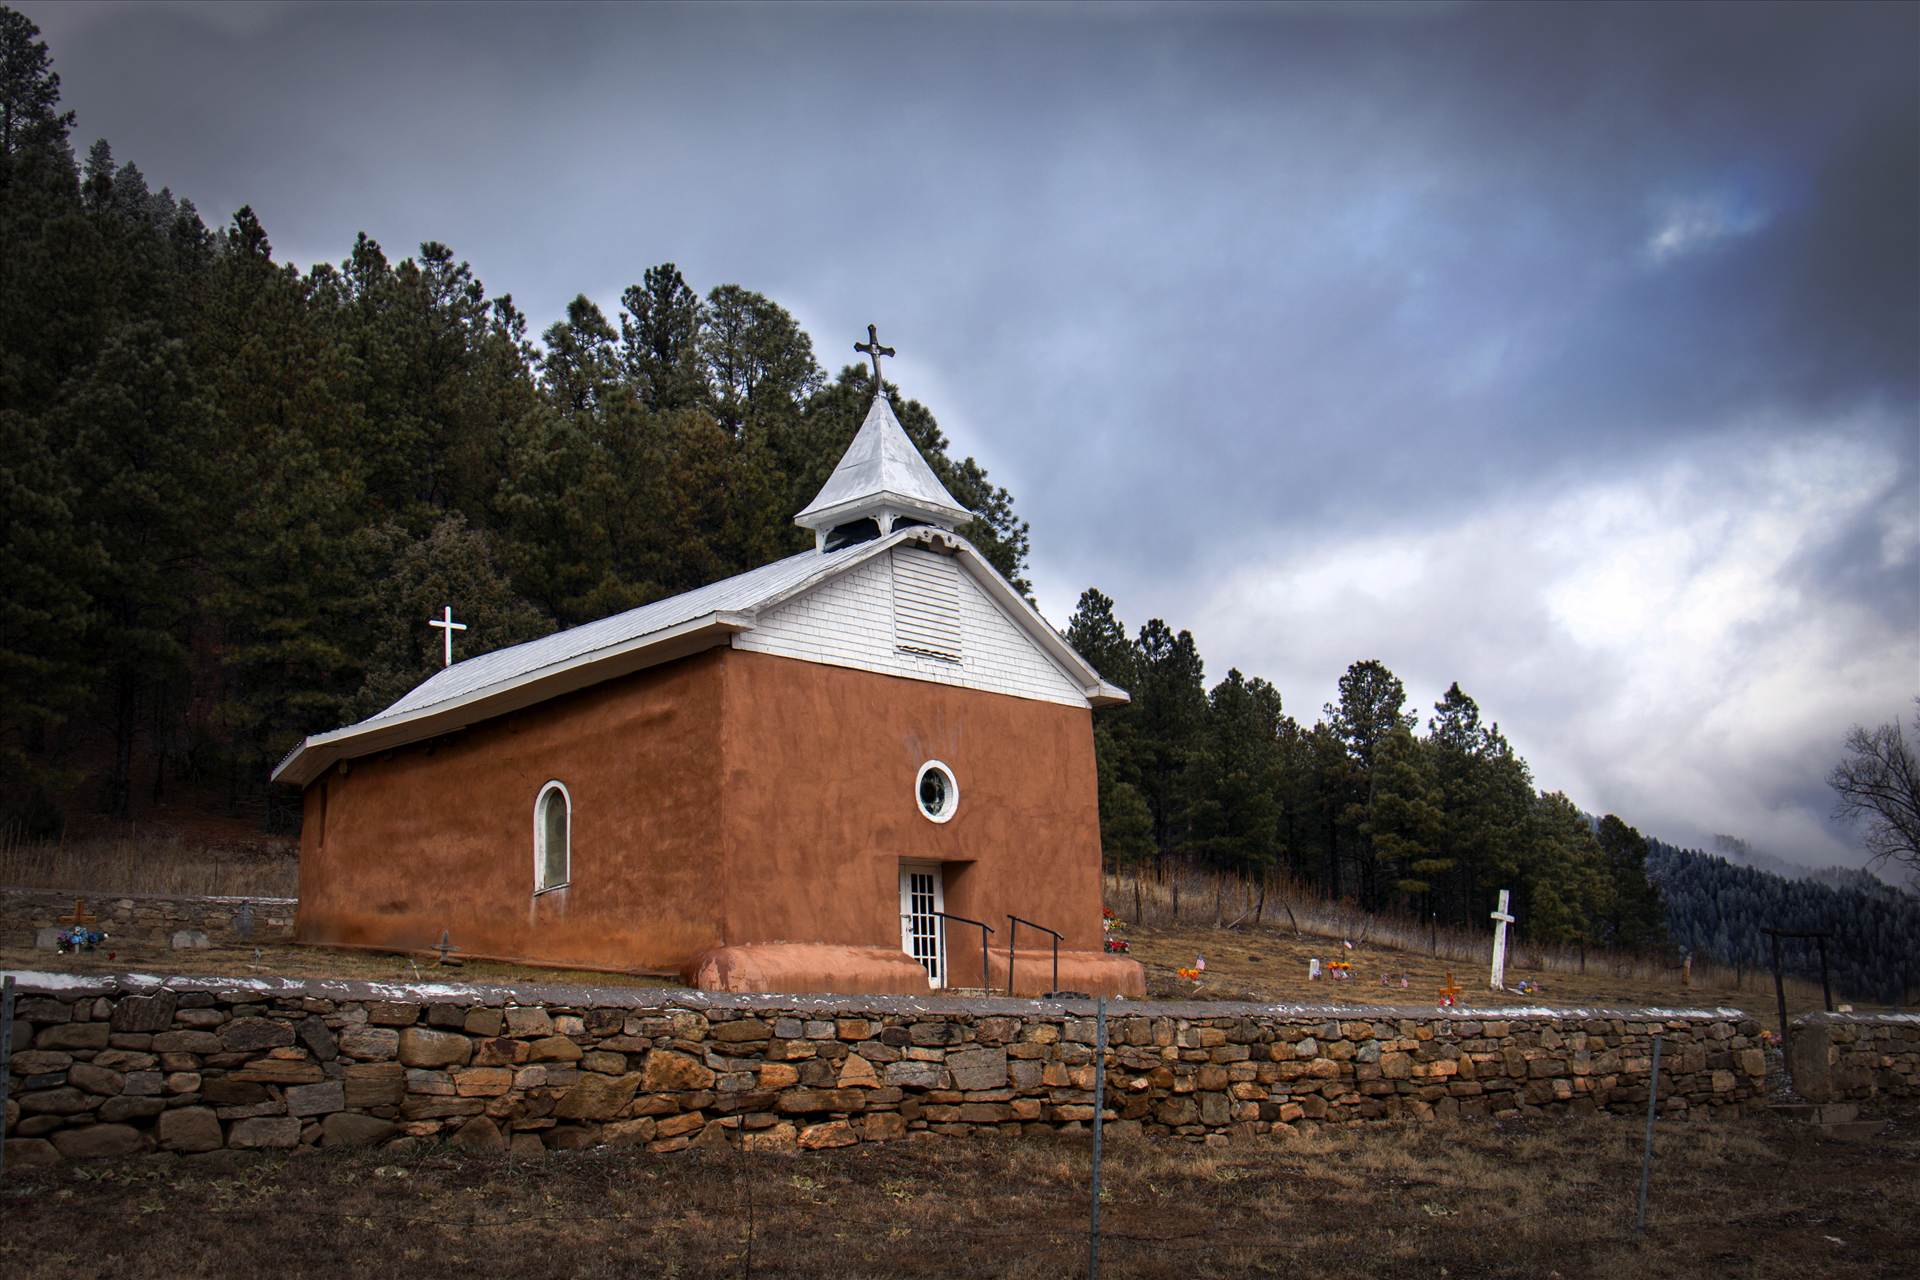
(820, 811)
(439, 836)
(738, 818)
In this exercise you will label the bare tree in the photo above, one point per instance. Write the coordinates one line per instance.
(1879, 780)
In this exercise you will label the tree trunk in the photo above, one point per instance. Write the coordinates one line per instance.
(1260, 907)
(118, 799)
(1333, 857)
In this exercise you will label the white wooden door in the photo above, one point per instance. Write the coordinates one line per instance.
(922, 932)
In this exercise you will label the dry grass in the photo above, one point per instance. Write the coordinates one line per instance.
(1744, 1199)
(132, 860)
(1268, 961)
(1271, 965)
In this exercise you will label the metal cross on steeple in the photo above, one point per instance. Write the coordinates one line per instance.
(873, 348)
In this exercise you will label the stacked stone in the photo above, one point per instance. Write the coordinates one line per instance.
(1197, 1077)
(32, 917)
(1840, 1057)
(116, 1068)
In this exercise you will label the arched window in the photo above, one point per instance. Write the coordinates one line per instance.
(552, 838)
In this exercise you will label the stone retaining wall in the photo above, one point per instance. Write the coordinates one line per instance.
(1854, 1057)
(117, 1066)
(31, 917)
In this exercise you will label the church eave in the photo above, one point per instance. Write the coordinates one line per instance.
(316, 754)
(829, 516)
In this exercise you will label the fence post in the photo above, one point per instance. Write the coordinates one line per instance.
(1646, 1160)
(6, 1053)
(1779, 985)
(1099, 1110)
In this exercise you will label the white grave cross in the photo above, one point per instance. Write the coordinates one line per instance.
(448, 626)
(1498, 979)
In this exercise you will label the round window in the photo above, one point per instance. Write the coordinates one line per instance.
(937, 792)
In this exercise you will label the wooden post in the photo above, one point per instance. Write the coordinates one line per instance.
(6, 1053)
(1779, 986)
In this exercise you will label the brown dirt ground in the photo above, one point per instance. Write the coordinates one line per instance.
(1751, 1197)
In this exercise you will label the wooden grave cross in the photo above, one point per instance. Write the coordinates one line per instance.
(1497, 979)
(1449, 994)
(80, 914)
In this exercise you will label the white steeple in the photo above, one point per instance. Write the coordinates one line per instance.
(881, 478)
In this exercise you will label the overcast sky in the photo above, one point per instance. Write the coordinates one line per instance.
(1569, 353)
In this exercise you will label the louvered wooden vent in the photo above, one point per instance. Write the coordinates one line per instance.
(926, 604)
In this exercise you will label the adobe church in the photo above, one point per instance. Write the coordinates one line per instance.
(790, 780)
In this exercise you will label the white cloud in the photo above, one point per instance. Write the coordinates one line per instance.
(1688, 226)
(1648, 639)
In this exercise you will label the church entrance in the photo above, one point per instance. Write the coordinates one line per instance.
(922, 935)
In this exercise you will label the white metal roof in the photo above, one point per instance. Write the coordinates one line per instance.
(881, 467)
(509, 679)
(736, 594)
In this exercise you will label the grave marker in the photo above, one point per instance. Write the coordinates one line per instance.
(1498, 978)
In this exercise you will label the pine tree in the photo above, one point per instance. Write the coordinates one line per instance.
(660, 324)
(1369, 709)
(409, 580)
(45, 614)
(1404, 823)
(1101, 638)
(1172, 704)
(1634, 916)
(1237, 814)
(759, 362)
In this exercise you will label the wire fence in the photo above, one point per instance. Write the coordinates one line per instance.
(1062, 1223)
(1176, 895)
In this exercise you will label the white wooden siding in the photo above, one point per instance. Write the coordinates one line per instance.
(849, 622)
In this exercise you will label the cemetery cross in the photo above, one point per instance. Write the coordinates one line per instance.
(1498, 979)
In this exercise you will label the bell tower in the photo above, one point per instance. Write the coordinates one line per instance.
(882, 483)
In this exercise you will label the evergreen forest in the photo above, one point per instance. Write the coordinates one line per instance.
(233, 492)
(1717, 909)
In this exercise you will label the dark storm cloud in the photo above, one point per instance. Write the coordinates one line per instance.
(1216, 287)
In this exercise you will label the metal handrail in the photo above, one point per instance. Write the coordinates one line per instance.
(981, 925)
(945, 916)
(1013, 933)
